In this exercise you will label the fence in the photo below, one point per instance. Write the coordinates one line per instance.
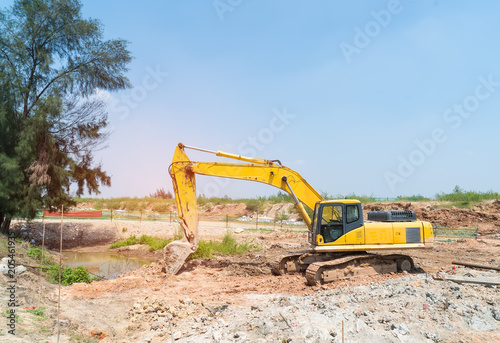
(448, 233)
(171, 217)
(440, 232)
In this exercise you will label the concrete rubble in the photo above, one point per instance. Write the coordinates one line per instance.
(412, 308)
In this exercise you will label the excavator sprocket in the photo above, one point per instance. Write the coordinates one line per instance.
(356, 265)
(289, 263)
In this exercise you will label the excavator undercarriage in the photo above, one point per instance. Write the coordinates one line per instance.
(324, 268)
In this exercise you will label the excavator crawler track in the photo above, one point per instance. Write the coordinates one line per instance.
(288, 263)
(356, 265)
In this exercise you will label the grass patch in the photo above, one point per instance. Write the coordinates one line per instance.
(132, 240)
(260, 230)
(7, 314)
(36, 311)
(69, 275)
(465, 199)
(129, 204)
(36, 254)
(154, 243)
(294, 231)
(413, 198)
(228, 246)
(206, 249)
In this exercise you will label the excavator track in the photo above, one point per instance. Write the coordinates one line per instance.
(288, 263)
(356, 265)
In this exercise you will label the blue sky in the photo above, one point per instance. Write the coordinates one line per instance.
(380, 98)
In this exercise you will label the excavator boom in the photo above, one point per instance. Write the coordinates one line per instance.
(183, 171)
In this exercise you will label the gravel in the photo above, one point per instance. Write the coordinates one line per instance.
(412, 308)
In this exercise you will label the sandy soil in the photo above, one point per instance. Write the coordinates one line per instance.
(222, 299)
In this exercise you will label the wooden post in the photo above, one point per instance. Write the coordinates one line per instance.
(60, 262)
(170, 216)
(227, 221)
(41, 260)
(140, 220)
(111, 215)
(342, 331)
(475, 265)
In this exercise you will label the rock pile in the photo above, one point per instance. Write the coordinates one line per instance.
(412, 308)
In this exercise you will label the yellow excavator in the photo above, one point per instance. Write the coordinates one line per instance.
(342, 244)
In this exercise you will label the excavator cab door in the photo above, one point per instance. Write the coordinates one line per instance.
(333, 220)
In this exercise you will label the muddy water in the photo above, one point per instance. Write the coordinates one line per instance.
(102, 263)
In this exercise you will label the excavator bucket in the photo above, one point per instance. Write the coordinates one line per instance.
(175, 254)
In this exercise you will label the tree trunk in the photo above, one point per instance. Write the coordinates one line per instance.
(4, 228)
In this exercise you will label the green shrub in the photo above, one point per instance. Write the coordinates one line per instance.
(70, 275)
(204, 250)
(127, 203)
(36, 311)
(461, 198)
(36, 254)
(253, 205)
(132, 240)
(154, 243)
(277, 198)
(160, 207)
(417, 197)
(228, 246)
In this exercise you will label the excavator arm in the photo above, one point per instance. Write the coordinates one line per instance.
(183, 171)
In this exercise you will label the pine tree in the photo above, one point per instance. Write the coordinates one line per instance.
(52, 64)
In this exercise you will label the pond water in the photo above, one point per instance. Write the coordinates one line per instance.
(103, 263)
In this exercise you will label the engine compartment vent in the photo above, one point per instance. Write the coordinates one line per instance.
(392, 216)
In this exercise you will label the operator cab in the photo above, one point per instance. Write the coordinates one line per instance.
(333, 219)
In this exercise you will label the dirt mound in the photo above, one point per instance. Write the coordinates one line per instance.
(485, 215)
(238, 210)
(75, 234)
(488, 223)
(488, 206)
(85, 205)
(233, 210)
(227, 300)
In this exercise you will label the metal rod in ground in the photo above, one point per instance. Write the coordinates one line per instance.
(342, 331)
(60, 262)
(286, 321)
(41, 263)
(171, 329)
(475, 265)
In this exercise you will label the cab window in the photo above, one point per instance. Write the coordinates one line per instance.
(331, 223)
(352, 213)
(331, 214)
